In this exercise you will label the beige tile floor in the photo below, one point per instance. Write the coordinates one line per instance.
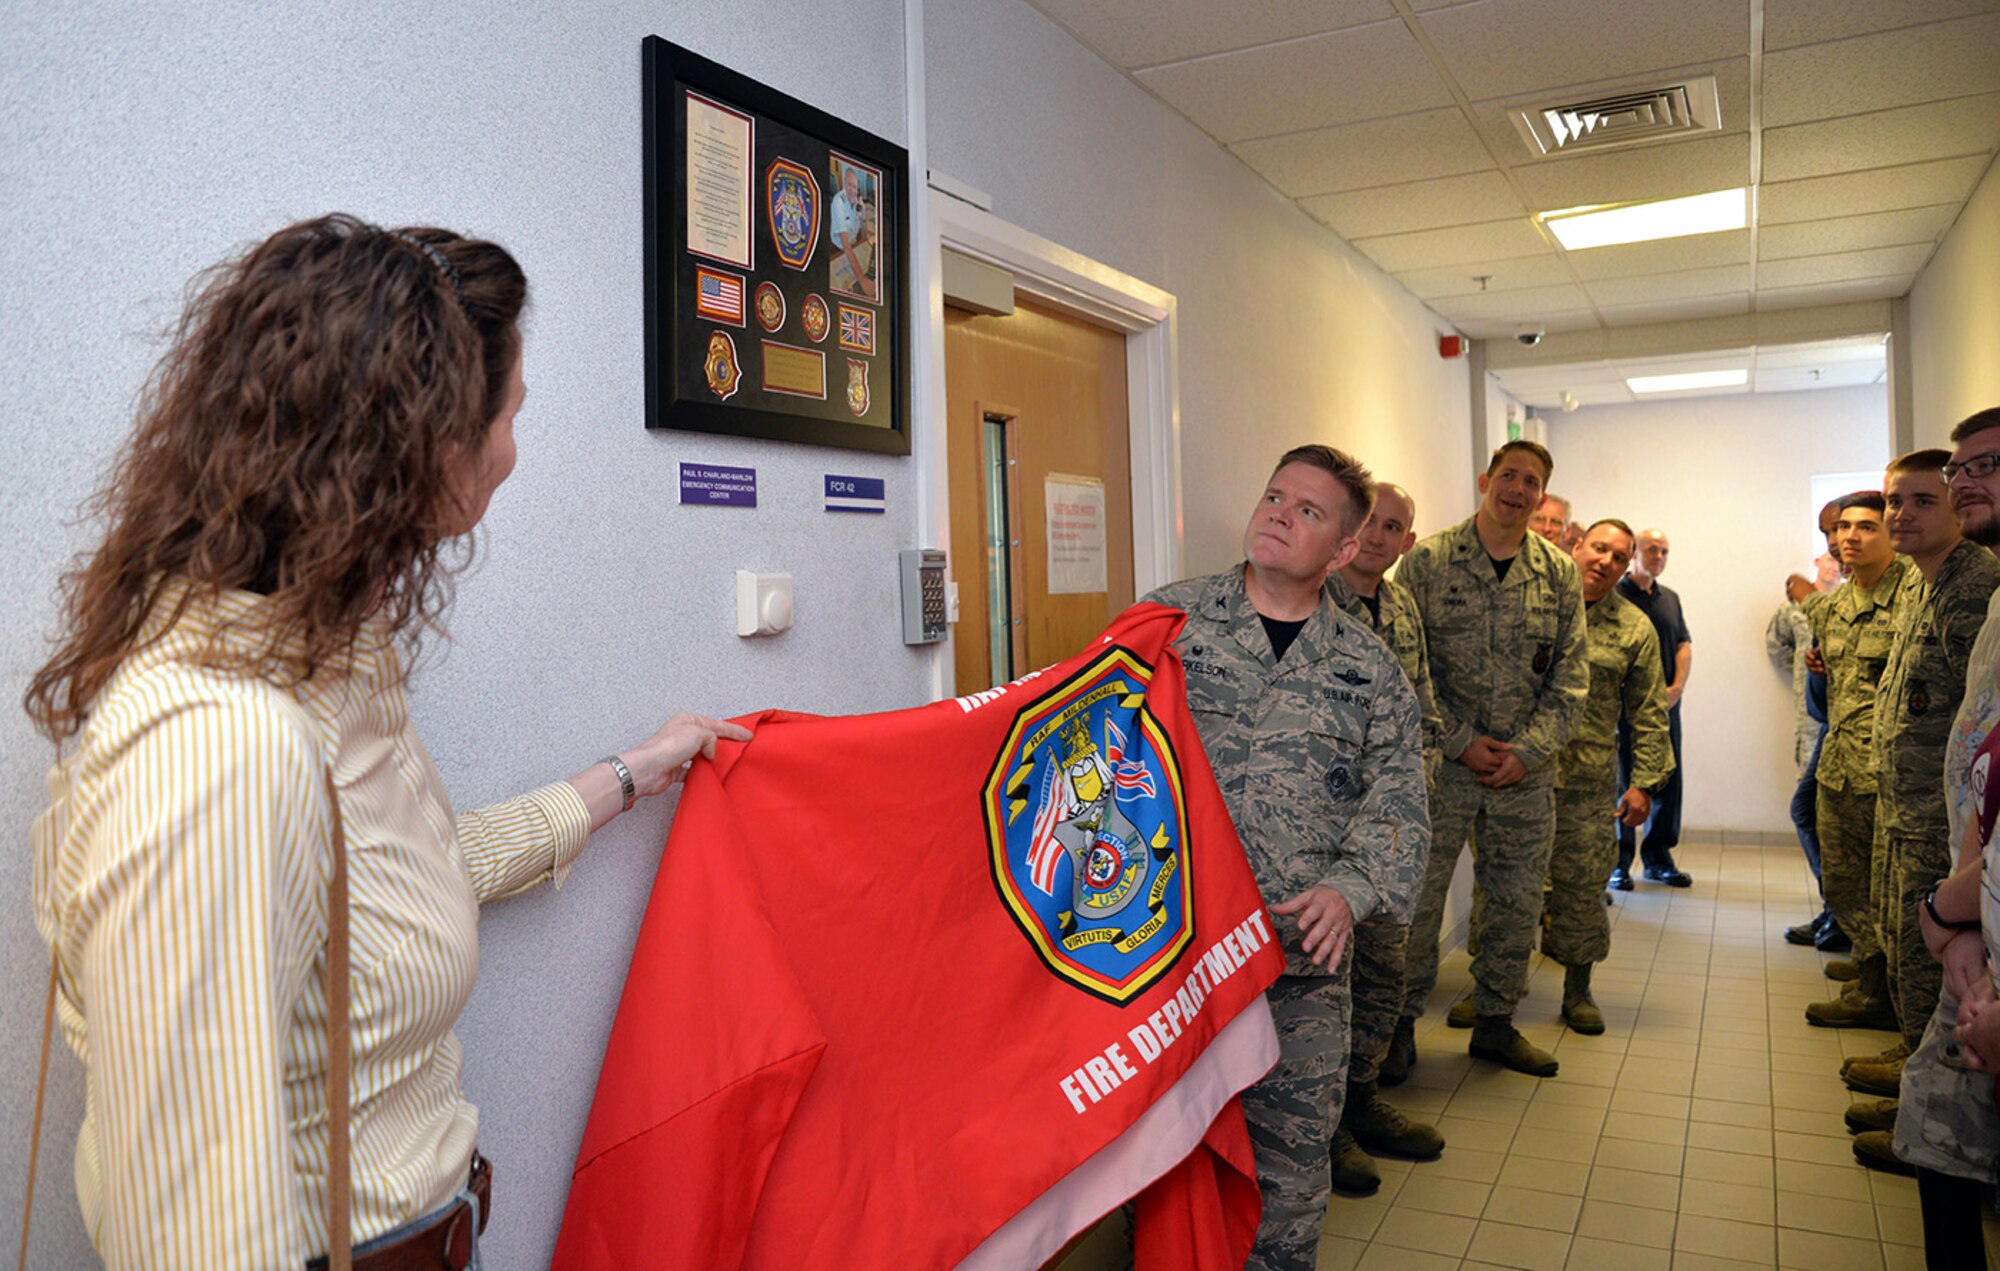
(1701, 1132)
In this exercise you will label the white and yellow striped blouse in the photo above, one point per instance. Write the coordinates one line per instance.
(181, 879)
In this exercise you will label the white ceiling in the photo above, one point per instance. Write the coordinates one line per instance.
(1781, 369)
(1863, 126)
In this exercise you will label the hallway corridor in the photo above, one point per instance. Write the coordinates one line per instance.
(1702, 1130)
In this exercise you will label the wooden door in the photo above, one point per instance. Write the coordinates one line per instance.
(1032, 396)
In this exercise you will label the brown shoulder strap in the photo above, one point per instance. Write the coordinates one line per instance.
(340, 1184)
(340, 1181)
(35, 1134)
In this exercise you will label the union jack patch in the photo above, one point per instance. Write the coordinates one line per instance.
(857, 329)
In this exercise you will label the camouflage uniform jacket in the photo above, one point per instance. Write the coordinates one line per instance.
(1936, 623)
(1506, 654)
(1320, 756)
(1855, 628)
(1788, 638)
(1402, 630)
(1625, 678)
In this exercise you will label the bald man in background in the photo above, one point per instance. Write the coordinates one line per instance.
(1369, 1124)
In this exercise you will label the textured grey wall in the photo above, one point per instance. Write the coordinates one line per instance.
(140, 143)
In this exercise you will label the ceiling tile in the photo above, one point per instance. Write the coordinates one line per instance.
(1648, 172)
(1189, 28)
(1676, 310)
(1806, 379)
(1875, 190)
(1514, 306)
(1675, 363)
(1545, 270)
(1549, 400)
(1833, 293)
(1535, 379)
(1655, 288)
(1841, 266)
(1322, 81)
(1867, 348)
(1623, 344)
(1504, 328)
(1732, 86)
(1437, 143)
(1511, 47)
(1833, 320)
(1854, 233)
(1877, 72)
(1431, 249)
(1939, 130)
(1792, 22)
(1392, 209)
(1696, 251)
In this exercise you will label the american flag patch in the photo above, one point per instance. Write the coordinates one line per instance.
(718, 296)
(857, 329)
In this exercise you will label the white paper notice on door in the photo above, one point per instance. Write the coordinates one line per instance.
(1075, 511)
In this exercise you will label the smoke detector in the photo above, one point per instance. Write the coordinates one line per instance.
(1629, 117)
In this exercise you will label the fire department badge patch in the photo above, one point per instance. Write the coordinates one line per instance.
(791, 200)
(1086, 826)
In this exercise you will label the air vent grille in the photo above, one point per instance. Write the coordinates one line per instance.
(1627, 118)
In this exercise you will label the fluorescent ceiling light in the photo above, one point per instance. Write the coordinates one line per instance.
(1580, 227)
(1692, 379)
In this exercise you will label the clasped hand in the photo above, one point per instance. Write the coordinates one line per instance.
(1326, 921)
(1978, 1030)
(1493, 763)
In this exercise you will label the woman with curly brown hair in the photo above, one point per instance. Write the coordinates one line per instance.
(334, 414)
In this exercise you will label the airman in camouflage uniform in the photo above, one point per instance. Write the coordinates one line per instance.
(1855, 628)
(1370, 1123)
(1949, 1126)
(1314, 735)
(1788, 638)
(1625, 677)
(1943, 605)
(1506, 642)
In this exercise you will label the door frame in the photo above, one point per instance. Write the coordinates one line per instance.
(1076, 284)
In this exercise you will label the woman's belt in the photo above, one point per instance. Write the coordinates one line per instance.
(444, 1240)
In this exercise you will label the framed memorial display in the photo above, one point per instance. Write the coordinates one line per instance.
(771, 225)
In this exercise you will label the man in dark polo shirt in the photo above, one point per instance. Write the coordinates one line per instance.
(1662, 831)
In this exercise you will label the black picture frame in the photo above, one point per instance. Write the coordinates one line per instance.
(793, 153)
